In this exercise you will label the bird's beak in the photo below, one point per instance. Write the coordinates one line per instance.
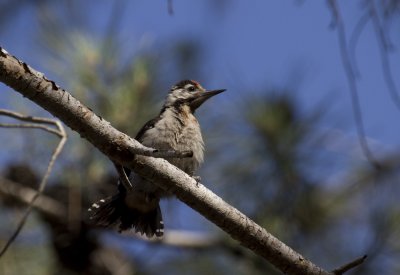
(202, 97)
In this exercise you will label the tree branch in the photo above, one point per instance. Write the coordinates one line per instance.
(36, 123)
(341, 270)
(122, 149)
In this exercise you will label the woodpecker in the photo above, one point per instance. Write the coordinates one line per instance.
(175, 128)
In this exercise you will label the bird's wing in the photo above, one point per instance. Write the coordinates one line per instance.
(149, 124)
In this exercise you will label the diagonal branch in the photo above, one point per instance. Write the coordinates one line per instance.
(341, 270)
(19, 192)
(122, 149)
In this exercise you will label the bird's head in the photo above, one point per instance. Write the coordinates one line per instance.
(190, 93)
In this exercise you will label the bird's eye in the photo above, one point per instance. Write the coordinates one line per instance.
(191, 89)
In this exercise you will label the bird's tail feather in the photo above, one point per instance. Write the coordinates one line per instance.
(112, 211)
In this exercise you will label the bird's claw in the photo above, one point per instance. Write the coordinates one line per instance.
(197, 179)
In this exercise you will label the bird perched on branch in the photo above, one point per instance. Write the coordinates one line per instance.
(175, 128)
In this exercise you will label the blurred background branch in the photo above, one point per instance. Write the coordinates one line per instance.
(59, 132)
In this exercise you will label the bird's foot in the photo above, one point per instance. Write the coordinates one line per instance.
(197, 179)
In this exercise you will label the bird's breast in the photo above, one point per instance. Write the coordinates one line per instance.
(180, 134)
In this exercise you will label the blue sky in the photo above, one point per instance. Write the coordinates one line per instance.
(251, 46)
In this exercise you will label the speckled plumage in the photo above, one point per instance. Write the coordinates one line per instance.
(176, 128)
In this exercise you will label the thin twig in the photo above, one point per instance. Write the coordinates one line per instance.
(43, 183)
(33, 126)
(348, 266)
(350, 74)
(22, 117)
(123, 177)
(170, 7)
(37, 122)
(354, 38)
(384, 47)
(145, 151)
